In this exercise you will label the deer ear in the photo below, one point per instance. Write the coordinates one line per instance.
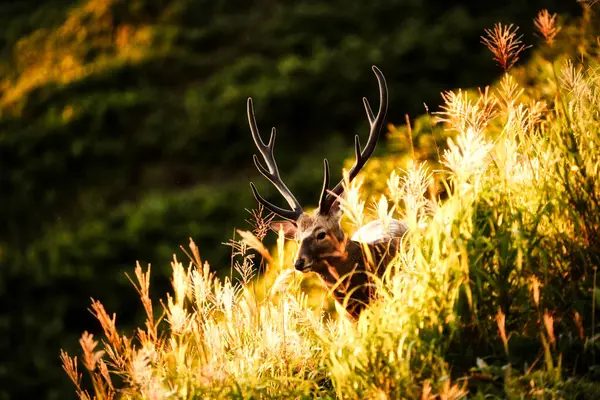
(335, 210)
(289, 228)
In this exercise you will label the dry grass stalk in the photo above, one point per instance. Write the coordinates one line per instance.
(105, 373)
(579, 323)
(108, 324)
(501, 322)
(69, 365)
(504, 44)
(260, 224)
(90, 357)
(508, 93)
(352, 205)
(545, 23)
(549, 324)
(426, 391)
(92, 360)
(255, 243)
(535, 289)
(196, 254)
(460, 113)
(144, 291)
(453, 392)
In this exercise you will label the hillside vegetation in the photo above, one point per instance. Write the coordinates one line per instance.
(123, 134)
(494, 296)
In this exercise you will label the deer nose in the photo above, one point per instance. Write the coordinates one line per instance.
(301, 264)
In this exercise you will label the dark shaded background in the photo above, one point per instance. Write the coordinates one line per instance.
(123, 133)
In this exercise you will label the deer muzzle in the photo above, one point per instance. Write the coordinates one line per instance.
(302, 264)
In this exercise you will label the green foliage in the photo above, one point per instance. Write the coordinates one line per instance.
(123, 132)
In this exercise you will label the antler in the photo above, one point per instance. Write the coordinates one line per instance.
(271, 172)
(328, 198)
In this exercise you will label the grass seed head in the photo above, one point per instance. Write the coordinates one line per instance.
(545, 23)
(505, 44)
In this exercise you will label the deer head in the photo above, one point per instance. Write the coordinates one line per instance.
(322, 241)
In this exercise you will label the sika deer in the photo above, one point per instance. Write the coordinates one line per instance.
(324, 248)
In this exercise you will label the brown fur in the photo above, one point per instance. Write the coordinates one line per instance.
(342, 263)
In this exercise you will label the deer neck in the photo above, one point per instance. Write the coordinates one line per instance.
(348, 275)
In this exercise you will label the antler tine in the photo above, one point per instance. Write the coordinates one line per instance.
(271, 172)
(323, 198)
(287, 214)
(376, 123)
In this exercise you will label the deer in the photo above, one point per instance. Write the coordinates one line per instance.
(345, 265)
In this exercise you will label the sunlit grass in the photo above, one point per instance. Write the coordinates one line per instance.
(70, 51)
(493, 294)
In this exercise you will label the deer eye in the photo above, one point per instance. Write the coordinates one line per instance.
(321, 235)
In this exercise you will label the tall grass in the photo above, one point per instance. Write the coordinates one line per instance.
(494, 294)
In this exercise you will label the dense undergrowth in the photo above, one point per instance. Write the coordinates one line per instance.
(495, 294)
